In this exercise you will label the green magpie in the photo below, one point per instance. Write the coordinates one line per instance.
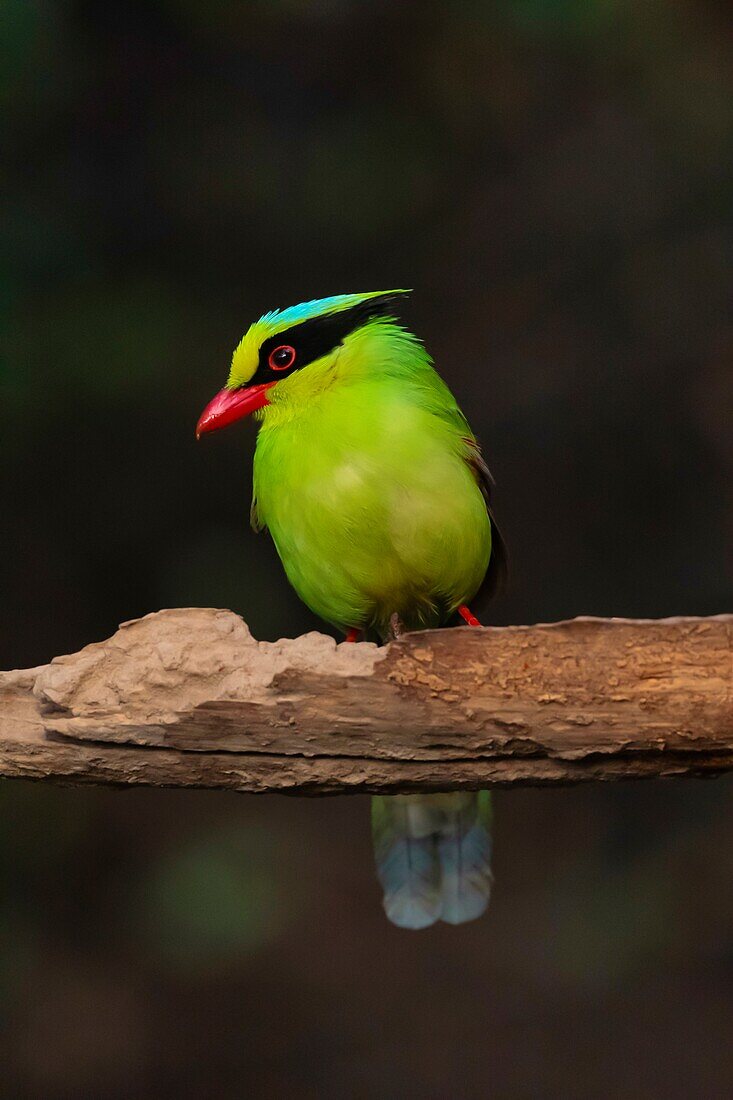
(377, 497)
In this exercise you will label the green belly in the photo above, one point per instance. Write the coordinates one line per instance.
(373, 511)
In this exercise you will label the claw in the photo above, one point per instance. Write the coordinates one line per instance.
(396, 628)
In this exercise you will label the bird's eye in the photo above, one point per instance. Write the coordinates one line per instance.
(282, 358)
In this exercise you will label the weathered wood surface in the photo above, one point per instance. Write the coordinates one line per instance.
(188, 698)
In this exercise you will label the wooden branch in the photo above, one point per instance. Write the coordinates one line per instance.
(187, 698)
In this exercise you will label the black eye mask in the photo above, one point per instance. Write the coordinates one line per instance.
(311, 340)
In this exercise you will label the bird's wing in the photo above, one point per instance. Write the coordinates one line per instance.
(496, 574)
(254, 517)
(441, 402)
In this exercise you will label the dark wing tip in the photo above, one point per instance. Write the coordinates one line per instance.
(497, 574)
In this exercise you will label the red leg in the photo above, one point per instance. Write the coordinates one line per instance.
(467, 616)
(353, 634)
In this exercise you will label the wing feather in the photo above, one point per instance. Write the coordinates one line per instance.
(497, 573)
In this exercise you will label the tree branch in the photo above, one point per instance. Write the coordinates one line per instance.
(187, 698)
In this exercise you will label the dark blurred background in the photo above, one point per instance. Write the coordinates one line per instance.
(553, 178)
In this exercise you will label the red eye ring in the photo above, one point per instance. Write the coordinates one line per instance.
(281, 358)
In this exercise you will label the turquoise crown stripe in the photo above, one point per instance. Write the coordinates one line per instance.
(293, 315)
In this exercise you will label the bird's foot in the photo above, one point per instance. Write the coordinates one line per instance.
(467, 615)
(353, 635)
(396, 628)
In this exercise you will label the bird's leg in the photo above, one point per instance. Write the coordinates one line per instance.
(353, 634)
(467, 616)
(395, 629)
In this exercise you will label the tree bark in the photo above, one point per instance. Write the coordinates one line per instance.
(188, 698)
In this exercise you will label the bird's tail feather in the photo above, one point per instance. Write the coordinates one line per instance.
(433, 856)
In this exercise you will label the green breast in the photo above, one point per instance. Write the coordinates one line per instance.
(373, 507)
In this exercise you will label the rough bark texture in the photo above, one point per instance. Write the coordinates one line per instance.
(188, 698)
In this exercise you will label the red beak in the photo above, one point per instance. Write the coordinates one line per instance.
(231, 405)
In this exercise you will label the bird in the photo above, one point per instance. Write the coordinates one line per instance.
(379, 502)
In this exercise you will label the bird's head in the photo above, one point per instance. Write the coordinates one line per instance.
(277, 352)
